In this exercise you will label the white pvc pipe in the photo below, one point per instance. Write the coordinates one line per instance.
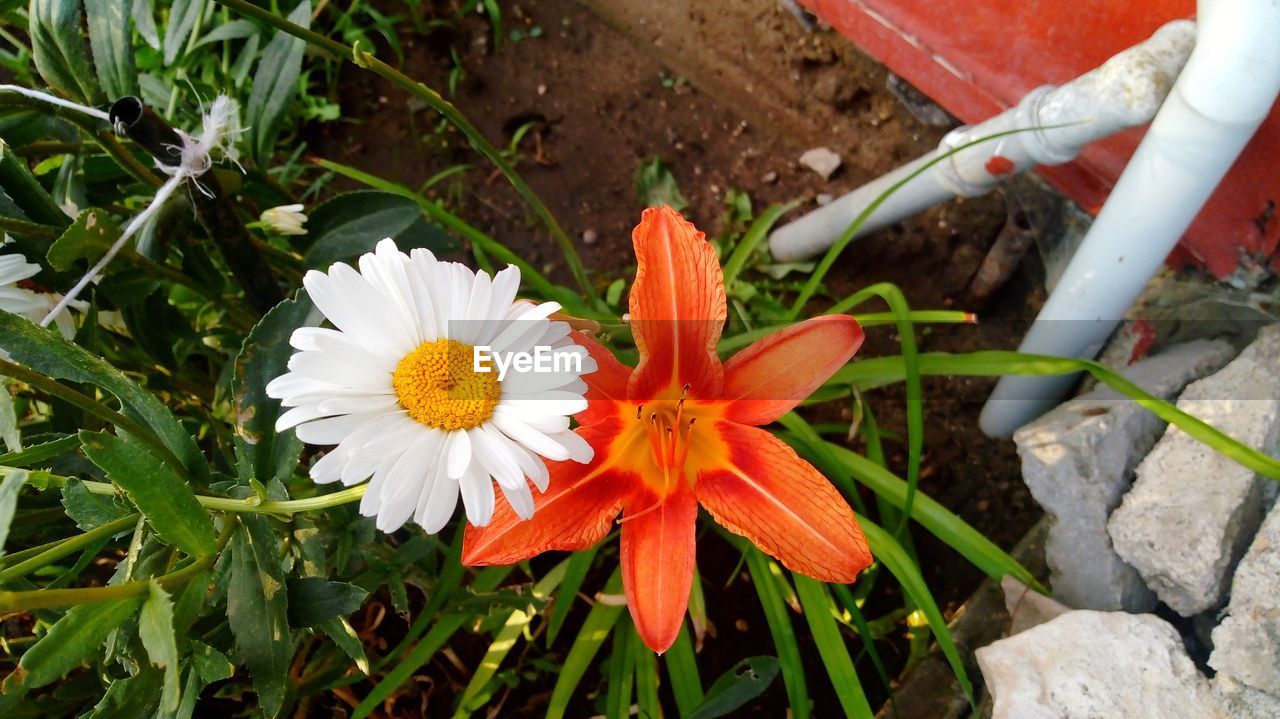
(1222, 96)
(1124, 92)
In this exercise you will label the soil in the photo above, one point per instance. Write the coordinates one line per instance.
(729, 100)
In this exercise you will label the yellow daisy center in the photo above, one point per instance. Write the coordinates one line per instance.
(438, 385)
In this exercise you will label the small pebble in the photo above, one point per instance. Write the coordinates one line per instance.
(821, 160)
(770, 177)
(823, 199)
(589, 237)
(542, 89)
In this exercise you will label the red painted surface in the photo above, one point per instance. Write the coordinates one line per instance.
(977, 59)
(998, 165)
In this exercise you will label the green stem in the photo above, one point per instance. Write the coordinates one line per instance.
(446, 109)
(28, 600)
(54, 388)
(251, 505)
(65, 547)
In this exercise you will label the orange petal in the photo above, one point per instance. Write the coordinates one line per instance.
(574, 513)
(657, 555)
(767, 494)
(677, 308)
(776, 373)
(606, 387)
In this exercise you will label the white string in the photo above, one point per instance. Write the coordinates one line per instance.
(54, 100)
(216, 133)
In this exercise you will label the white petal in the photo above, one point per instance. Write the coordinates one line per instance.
(477, 496)
(458, 454)
(521, 499)
(297, 416)
(359, 403)
(331, 430)
(529, 437)
(436, 505)
(490, 448)
(579, 450)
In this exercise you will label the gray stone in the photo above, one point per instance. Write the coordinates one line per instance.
(1242, 702)
(1078, 462)
(1246, 645)
(1192, 511)
(1096, 665)
(821, 160)
(1027, 608)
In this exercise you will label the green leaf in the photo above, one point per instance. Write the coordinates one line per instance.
(88, 238)
(258, 611)
(74, 639)
(682, 671)
(131, 697)
(111, 42)
(38, 453)
(595, 628)
(86, 509)
(211, 664)
(575, 573)
(316, 600)
(158, 492)
(816, 602)
(182, 20)
(745, 681)
(155, 629)
(9, 429)
(621, 671)
(784, 638)
(341, 632)
(48, 353)
(261, 453)
(646, 668)
(9, 488)
(27, 193)
(144, 19)
(656, 186)
(887, 550)
(505, 640)
(234, 30)
(56, 42)
(274, 85)
(354, 222)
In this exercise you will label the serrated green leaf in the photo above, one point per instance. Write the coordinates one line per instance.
(316, 600)
(111, 42)
(341, 632)
(656, 186)
(144, 20)
(39, 453)
(48, 353)
(745, 681)
(211, 664)
(274, 85)
(131, 697)
(9, 488)
(352, 223)
(155, 629)
(58, 47)
(9, 430)
(158, 492)
(262, 453)
(73, 640)
(182, 20)
(87, 509)
(258, 611)
(88, 238)
(234, 30)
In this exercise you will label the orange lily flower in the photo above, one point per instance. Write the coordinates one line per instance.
(682, 430)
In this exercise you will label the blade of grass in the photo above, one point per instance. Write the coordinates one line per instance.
(485, 581)
(579, 565)
(595, 628)
(784, 638)
(622, 671)
(751, 239)
(504, 641)
(864, 634)
(883, 371)
(816, 602)
(887, 550)
(682, 672)
(646, 680)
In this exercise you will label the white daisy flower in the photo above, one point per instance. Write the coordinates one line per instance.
(19, 300)
(395, 386)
